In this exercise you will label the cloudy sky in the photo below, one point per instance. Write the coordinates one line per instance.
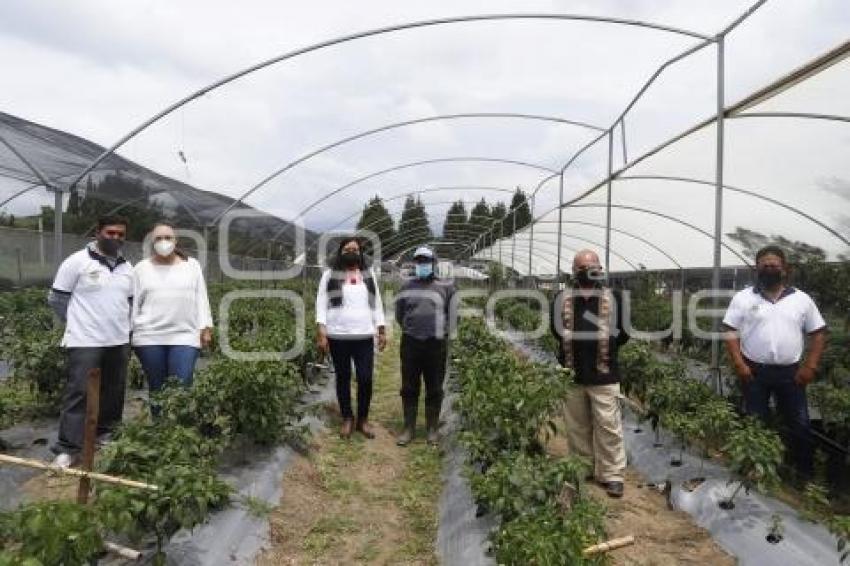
(99, 68)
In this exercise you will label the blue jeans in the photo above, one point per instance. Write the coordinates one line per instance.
(791, 404)
(161, 362)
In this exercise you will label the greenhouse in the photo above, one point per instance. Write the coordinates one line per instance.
(354, 284)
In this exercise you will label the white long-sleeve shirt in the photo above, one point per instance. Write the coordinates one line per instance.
(170, 304)
(354, 318)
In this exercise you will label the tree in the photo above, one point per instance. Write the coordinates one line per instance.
(413, 227)
(456, 226)
(377, 219)
(520, 210)
(479, 218)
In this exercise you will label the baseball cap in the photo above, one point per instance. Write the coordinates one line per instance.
(423, 251)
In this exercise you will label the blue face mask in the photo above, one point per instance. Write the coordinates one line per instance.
(424, 270)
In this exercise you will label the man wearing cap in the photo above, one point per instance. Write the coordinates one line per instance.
(587, 319)
(422, 311)
(766, 325)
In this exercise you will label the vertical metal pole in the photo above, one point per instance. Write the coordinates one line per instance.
(531, 233)
(513, 241)
(560, 227)
(608, 201)
(41, 241)
(623, 138)
(718, 208)
(57, 228)
(501, 235)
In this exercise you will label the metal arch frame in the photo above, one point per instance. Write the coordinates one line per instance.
(644, 211)
(350, 184)
(368, 33)
(366, 133)
(746, 192)
(641, 239)
(802, 115)
(666, 217)
(591, 242)
(57, 200)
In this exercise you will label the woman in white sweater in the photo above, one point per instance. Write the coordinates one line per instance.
(349, 314)
(171, 317)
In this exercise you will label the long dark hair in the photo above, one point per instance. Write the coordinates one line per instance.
(334, 287)
(336, 261)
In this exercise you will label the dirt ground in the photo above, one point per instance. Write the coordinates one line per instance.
(361, 501)
(663, 537)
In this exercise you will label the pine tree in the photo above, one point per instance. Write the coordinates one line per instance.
(479, 218)
(377, 219)
(519, 209)
(456, 227)
(413, 227)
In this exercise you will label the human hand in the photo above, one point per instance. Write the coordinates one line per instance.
(805, 375)
(744, 372)
(322, 343)
(382, 341)
(206, 337)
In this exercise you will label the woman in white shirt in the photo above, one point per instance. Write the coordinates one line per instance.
(349, 314)
(171, 316)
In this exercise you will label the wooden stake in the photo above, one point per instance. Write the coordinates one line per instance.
(39, 465)
(612, 544)
(92, 410)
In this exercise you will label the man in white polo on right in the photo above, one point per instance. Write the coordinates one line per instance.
(767, 326)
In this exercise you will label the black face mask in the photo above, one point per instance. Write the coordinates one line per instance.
(769, 277)
(350, 259)
(109, 246)
(588, 277)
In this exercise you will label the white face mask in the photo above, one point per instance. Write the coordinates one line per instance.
(163, 248)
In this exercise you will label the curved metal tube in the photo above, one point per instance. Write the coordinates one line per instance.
(368, 33)
(338, 190)
(741, 191)
(619, 231)
(385, 128)
(591, 242)
(804, 115)
(39, 175)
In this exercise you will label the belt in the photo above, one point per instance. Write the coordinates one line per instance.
(771, 366)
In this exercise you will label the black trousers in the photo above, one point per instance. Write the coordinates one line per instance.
(112, 361)
(362, 352)
(423, 359)
(791, 405)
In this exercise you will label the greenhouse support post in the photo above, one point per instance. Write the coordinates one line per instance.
(513, 240)
(531, 233)
(608, 200)
(57, 227)
(718, 211)
(560, 227)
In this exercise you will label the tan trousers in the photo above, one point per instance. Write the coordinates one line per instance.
(595, 429)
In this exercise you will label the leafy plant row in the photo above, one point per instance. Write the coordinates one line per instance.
(507, 406)
(180, 451)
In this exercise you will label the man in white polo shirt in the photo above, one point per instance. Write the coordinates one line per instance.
(92, 293)
(767, 327)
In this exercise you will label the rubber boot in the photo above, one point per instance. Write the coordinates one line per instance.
(406, 436)
(432, 417)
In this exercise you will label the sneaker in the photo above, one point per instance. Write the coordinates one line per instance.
(64, 461)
